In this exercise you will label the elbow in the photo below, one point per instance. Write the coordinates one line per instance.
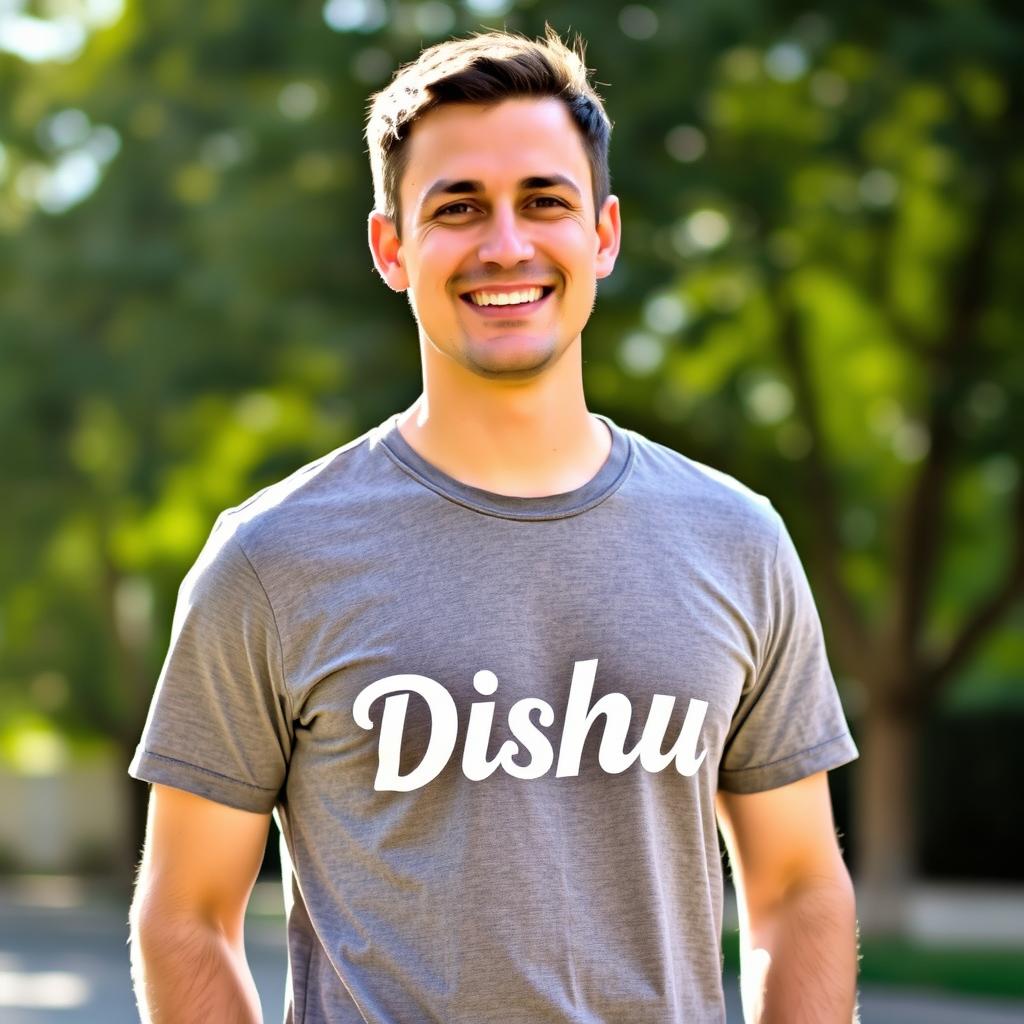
(828, 891)
(824, 904)
(832, 889)
(161, 913)
(150, 916)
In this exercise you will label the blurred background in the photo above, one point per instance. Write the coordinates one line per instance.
(819, 292)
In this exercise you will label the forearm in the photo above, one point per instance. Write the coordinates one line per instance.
(799, 959)
(188, 972)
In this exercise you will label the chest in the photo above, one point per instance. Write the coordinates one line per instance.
(536, 650)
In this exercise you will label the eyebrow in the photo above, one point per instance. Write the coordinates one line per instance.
(465, 186)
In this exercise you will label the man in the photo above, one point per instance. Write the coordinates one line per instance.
(495, 663)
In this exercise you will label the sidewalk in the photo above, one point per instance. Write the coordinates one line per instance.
(64, 959)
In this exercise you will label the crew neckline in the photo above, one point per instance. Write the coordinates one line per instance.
(604, 483)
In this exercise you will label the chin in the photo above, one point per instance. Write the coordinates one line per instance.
(513, 358)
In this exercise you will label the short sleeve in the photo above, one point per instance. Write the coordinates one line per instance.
(219, 724)
(789, 723)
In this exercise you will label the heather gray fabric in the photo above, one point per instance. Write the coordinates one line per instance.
(580, 897)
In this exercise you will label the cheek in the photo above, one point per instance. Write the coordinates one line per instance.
(438, 259)
(572, 241)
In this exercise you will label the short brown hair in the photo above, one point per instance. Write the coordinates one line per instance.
(484, 68)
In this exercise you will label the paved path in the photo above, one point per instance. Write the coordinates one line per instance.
(64, 960)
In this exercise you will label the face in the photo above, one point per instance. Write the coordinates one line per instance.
(499, 250)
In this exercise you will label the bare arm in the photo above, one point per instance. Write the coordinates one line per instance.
(798, 927)
(199, 865)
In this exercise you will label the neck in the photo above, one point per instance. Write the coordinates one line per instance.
(528, 438)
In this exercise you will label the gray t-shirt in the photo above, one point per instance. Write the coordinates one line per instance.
(491, 728)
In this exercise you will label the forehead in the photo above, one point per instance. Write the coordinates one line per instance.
(497, 145)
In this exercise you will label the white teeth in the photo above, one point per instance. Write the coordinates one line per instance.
(506, 298)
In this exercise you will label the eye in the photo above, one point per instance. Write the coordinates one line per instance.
(548, 199)
(454, 208)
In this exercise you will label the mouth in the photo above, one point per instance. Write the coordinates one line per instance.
(507, 305)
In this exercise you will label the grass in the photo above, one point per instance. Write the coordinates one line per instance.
(896, 962)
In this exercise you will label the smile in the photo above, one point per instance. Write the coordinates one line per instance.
(503, 303)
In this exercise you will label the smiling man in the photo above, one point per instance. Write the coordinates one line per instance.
(496, 664)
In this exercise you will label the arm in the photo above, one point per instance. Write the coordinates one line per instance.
(798, 945)
(199, 864)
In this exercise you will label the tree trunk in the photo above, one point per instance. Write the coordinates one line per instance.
(885, 817)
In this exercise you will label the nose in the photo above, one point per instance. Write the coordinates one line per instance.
(505, 243)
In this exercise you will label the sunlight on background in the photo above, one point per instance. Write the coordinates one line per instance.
(48, 990)
(79, 150)
(432, 19)
(33, 747)
(41, 990)
(59, 37)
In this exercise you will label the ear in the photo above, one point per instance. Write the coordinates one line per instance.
(609, 235)
(386, 247)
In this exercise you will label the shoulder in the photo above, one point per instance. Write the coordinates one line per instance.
(290, 513)
(712, 500)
